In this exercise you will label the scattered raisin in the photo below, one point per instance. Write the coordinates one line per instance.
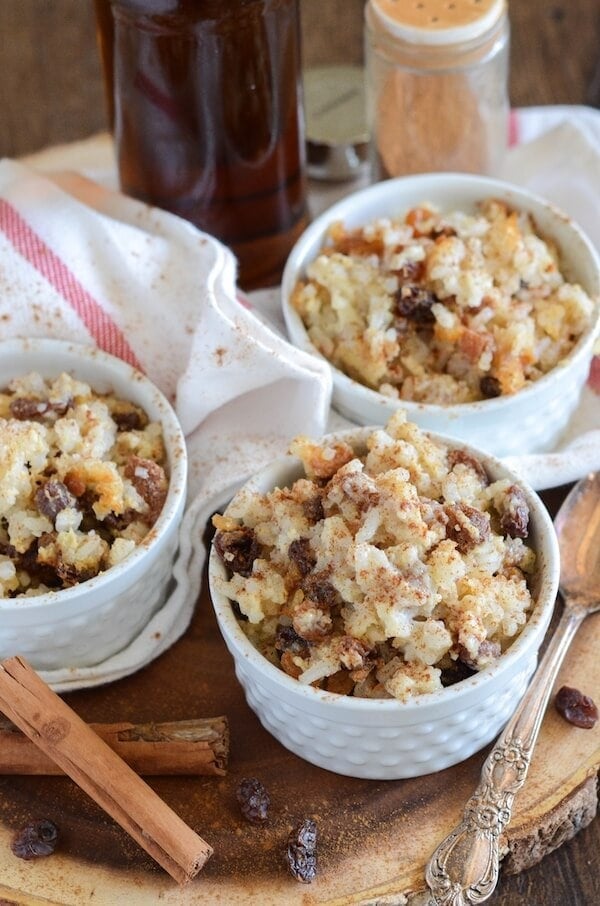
(238, 549)
(577, 708)
(302, 851)
(467, 526)
(467, 459)
(35, 840)
(51, 498)
(254, 800)
(301, 553)
(514, 514)
(317, 588)
(414, 302)
(490, 386)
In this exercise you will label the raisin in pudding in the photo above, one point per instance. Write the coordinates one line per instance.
(387, 571)
(82, 482)
(442, 307)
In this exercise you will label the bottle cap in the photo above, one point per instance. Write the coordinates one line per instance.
(337, 137)
(437, 21)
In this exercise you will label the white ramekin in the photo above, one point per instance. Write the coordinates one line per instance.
(83, 625)
(385, 739)
(530, 421)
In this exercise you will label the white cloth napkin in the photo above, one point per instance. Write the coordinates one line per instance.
(81, 262)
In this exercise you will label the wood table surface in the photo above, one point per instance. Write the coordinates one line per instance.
(51, 92)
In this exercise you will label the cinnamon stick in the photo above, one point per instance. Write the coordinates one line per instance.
(191, 747)
(91, 763)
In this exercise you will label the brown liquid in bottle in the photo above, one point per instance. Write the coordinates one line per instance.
(208, 121)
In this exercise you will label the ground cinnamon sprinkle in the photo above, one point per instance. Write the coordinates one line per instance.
(437, 77)
(429, 122)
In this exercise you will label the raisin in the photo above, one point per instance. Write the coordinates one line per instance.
(130, 420)
(149, 480)
(313, 509)
(254, 800)
(467, 459)
(117, 523)
(300, 553)
(467, 526)
(42, 572)
(7, 550)
(35, 840)
(487, 651)
(51, 498)
(354, 655)
(287, 639)
(24, 409)
(238, 549)
(456, 673)
(302, 851)
(514, 516)
(577, 708)
(317, 588)
(414, 302)
(490, 386)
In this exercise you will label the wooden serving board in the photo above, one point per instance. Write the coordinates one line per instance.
(375, 837)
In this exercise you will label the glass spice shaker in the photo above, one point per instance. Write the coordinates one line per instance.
(437, 85)
(208, 119)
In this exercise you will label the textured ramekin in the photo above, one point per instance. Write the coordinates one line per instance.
(389, 739)
(83, 625)
(531, 420)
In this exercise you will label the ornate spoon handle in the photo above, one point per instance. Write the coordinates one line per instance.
(464, 867)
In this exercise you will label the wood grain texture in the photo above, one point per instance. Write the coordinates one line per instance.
(375, 836)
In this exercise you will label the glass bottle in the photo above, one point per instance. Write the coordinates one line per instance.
(208, 120)
(437, 85)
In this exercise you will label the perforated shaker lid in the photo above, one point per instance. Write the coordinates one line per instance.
(437, 21)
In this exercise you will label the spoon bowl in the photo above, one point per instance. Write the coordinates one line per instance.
(578, 530)
(464, 868)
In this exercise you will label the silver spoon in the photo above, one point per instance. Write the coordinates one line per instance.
(464, 868)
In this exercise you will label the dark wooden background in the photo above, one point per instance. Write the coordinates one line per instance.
(50, 81)
(51, 92)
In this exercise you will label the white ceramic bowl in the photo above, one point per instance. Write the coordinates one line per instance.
(83, 625)
(389, 739)
(531, 420)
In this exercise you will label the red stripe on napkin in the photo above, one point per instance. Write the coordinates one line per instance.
(33, 248)
(594, 378)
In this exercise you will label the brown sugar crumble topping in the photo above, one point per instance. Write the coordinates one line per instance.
(82, 481)
(412, 572)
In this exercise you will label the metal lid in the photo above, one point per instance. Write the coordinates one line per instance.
(337, 138)
(438, 21)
